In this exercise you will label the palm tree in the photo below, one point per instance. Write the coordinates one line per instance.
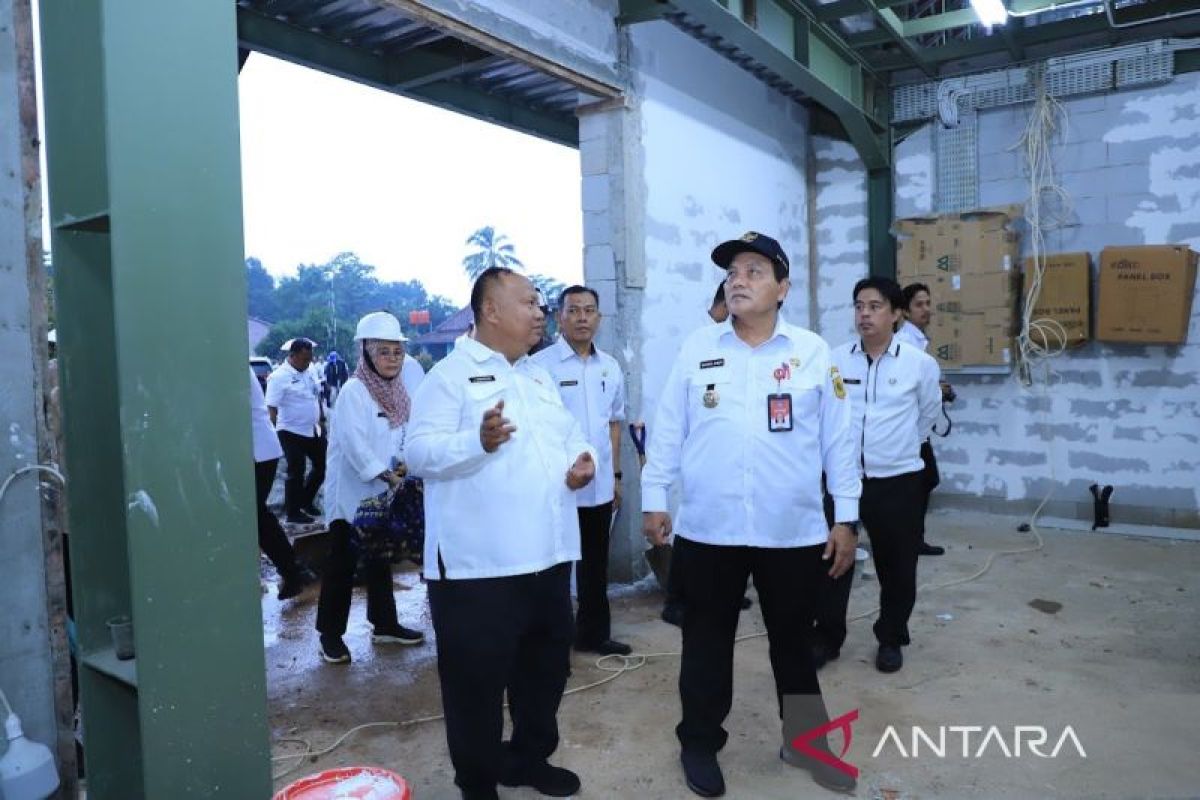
(493, 250)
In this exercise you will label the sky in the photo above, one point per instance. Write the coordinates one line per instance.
(329, 165)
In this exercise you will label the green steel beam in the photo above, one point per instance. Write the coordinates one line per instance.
(831, 12)
(895, 28)
(410, 76)
(822, 73)
(940, 22)
(141, 120)
(634, 11)
(406, 74)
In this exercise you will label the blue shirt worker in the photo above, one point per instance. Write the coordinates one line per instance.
(593, 390)
(751, 414)
(294, 403)
(502, 459)
(895, 398)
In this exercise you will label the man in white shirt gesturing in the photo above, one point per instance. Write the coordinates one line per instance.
(751, 415)
(502, 459)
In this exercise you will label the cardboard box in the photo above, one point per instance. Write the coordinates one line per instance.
(966, 293)
(968, 243)
(1146, 294)
(982, 338)
(1065, 298)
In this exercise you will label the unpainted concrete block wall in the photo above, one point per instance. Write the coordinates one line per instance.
(722, 154)
(838, 188)
(1126, 415)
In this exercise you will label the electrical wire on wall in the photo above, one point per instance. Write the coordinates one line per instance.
(1048, 208)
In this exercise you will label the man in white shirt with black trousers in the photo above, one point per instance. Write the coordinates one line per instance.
(593, 390)
(893, 388)
(501, 458)
(751, 415)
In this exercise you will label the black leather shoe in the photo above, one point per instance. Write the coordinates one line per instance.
(608, 647)
(822, 654)
(296, 582)
(672, 614)
(548, 780)
(824, 775)
(930, 550)
(702, 773)
(889, 658)
(480, 794)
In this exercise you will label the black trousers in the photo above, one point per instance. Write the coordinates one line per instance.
(495, 635)
(299, 491)
(271, 538)
(931, 478)
(891, 509)
(713, 586)
(337, 585)
(833, 599)
(593, 623)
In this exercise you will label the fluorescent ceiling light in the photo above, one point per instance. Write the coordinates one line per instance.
(990, 12)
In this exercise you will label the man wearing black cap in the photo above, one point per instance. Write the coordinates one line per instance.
(752, 413)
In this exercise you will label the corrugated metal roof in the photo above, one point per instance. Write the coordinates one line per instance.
(409, 56)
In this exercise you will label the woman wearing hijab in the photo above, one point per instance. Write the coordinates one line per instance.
(367, 434)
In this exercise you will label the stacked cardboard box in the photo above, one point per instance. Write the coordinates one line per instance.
(1146, 294)
(969, 261)
(1065, 298)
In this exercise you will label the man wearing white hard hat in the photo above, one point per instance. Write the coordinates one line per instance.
(367, 437)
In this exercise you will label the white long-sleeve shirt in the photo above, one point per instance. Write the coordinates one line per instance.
(361, 445)
(895, 400)
(742, 483)
(508, 512)
(593, 390)
(913, 335)
(266, 442)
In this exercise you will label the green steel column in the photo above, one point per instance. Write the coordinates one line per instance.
(881, 246)
(146, 219)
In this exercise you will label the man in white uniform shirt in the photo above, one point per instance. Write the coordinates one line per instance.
(893, 389)
(751, 415)
(593, 390)
(918, 313)
(502, 459)
(294, 403)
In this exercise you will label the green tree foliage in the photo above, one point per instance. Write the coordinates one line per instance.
(491, 250)
(260, 291)
(325, 301)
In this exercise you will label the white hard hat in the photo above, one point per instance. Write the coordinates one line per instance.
(379, 325)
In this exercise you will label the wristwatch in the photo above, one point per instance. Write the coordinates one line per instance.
(853, 526)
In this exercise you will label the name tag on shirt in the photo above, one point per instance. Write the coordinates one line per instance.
(568, 383)
(851, 381)
(712, 363)
(779, 412)
(482, 378)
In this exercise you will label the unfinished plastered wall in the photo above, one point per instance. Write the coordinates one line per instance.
(838, 206)
(1126, 415)
(723, 154)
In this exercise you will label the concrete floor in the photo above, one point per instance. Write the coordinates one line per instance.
(1119, 662)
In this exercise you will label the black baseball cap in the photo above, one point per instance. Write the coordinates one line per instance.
(750, 242)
